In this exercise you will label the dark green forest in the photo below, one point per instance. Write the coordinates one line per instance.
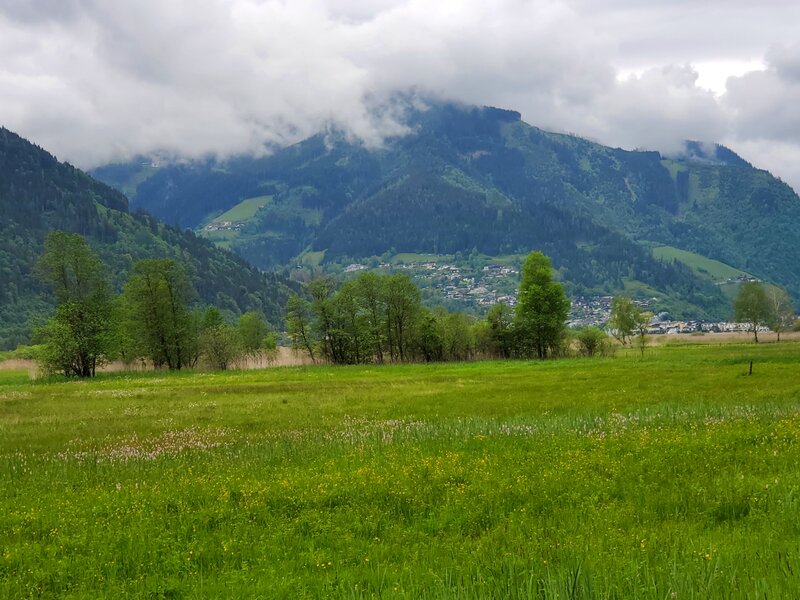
(39, 194)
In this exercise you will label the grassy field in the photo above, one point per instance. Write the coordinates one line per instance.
(675, 476)
(708, 267)
(243, 211)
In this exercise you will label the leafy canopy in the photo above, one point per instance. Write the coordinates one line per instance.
(77, 339)
(542, 307)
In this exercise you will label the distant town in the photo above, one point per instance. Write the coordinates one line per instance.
(495, 283)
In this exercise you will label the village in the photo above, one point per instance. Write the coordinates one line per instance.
(481, 287)
(478, 287)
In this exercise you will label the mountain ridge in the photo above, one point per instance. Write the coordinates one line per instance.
(499, 185)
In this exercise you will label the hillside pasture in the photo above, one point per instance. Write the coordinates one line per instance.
(703, 266)
(243, 211)
(674, 476)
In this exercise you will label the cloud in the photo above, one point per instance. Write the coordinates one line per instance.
(660, 109)
(96, 81)
(765, 106)
(765, 115)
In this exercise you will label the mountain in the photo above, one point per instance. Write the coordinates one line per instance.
(480, 178)
(39, 194)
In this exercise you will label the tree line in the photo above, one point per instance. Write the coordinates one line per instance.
(371, 318)
(380, 318)
(151, 320)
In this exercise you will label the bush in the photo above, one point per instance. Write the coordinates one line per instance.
(593, 341)
(220, 347)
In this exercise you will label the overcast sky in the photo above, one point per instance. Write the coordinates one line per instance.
(101, 80)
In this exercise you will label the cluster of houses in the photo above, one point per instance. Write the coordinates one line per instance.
(479, 288)
(744, 278)
(354, 268)
(497, 271)
(223, 226)
(586, 311)
(485, 287)
(674, 327)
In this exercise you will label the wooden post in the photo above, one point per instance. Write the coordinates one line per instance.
(751, 368)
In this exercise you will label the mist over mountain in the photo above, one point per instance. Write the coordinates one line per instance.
(480, 178)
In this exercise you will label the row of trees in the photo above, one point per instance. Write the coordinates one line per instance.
(369, 319)
(151, 320)
(757, 305)
(380, 318)
(372, 318)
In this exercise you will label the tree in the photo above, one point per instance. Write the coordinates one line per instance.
(501, 330)
(428, 337)
(402, 310)
(321, 290)
(542, 308)
(782, 315)
(254, 333)
(158, 294)
(299, 325)
(752, 306)
(219, 343)
(349, 333)
(591, 340)
(623, 320)
(642, 323)
(371, 291)
(78, 337)
(458, 339)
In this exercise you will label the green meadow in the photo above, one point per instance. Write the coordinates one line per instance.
(716, 270)
(672, 476)
(243, 211)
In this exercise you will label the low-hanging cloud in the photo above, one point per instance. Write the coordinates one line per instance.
(97, 81)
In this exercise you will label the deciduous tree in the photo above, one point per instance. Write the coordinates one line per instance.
(591, 340)
(78, 337)
(622, 322)
(402, 309)
(158, 294)
(782, 317)
(542, 308)
(299, 325)
(256, 338)
(642, 323)
(752, 306)
(218, 342)
(501, 330)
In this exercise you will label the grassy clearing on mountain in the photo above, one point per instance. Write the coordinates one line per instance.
(672, 476)
(707, 267)
(243, 211)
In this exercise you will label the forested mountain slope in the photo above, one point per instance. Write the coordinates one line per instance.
(39, 194)
(481, 178)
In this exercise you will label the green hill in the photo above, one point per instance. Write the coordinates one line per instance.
(39, 194)
(480, 178)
